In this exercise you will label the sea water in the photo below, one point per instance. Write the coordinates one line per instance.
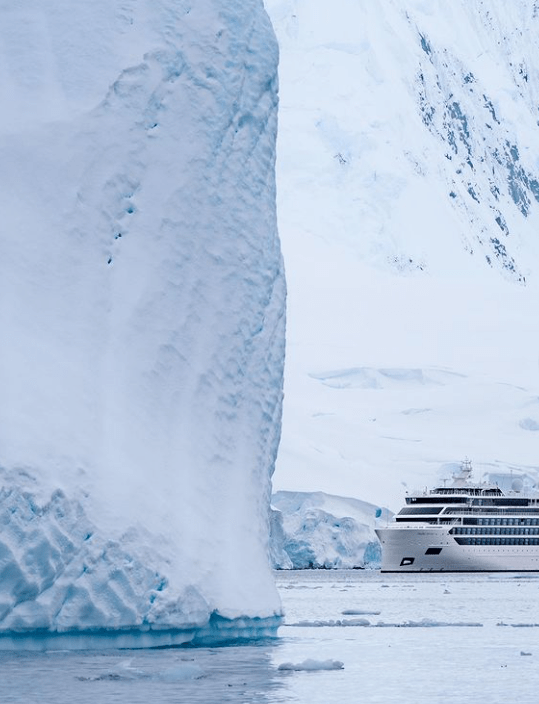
(348, 636)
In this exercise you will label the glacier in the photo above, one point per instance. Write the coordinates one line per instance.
(142, 301)
(408, 209)
(315, 530)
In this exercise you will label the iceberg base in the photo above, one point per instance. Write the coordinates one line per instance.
(218, 631)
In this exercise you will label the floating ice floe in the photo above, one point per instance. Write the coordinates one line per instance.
(337, 623)
(424, 623)
(428, 623)
(312, 665)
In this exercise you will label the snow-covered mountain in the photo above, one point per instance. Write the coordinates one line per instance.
(141, 319)
(408, 204)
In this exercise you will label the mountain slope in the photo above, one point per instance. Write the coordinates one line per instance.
(408, 209)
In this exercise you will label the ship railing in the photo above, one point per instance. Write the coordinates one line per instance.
(509, 511)
(454, 521)
(429, 524)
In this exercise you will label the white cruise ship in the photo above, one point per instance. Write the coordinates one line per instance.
(464, 527)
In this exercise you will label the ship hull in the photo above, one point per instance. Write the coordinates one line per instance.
(433, 549)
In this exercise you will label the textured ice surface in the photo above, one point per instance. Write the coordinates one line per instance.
(279, 557)
(323, 531)
(141, 319)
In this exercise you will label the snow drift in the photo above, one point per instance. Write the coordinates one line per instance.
(141, 318)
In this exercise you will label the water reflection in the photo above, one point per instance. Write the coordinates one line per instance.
(243, 673)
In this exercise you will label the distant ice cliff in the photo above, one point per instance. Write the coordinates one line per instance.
(317, 530)
(141, 321)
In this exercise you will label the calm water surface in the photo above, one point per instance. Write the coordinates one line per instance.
(423, 639)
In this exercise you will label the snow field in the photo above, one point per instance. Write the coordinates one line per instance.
(407, 201)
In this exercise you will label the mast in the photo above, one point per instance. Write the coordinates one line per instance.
(464, 476)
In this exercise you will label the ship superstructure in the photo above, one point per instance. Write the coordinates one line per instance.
(464, 527)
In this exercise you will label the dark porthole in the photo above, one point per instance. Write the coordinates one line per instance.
(433, 551)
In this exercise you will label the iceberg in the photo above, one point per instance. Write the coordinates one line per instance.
(142, 320)
(315, 530)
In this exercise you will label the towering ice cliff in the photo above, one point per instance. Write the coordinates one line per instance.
(408, 200)
(141, 320)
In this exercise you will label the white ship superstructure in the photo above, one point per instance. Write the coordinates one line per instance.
(465, 527)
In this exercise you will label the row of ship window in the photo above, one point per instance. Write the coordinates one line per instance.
(508, 521)
(428, 510)
(522, 530)
(498, 512)
(497, 541)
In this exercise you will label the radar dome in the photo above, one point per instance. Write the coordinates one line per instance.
(517, 484)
